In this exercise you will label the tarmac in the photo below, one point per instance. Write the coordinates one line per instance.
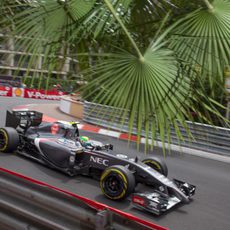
(52, 113)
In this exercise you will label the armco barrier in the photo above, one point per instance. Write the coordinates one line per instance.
(205, 137)
(26, 203)
(7, 91)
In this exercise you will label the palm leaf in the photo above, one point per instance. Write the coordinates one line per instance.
(100, 20)
(152, 89)
(45, 27)
(202, 39)
(56, 24)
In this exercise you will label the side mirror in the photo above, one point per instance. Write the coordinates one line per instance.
(109, 147)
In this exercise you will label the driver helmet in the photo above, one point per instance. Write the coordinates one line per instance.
(84, 138)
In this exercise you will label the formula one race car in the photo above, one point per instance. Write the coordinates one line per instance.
(59, 146)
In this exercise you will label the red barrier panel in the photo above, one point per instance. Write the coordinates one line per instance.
(30, 93)
(5, 91)
(92, 203)
(42, 94)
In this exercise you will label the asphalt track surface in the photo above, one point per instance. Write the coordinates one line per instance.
(209, 210)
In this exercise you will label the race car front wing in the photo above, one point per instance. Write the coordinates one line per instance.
(157, 202)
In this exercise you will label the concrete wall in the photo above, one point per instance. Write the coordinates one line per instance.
(73, 107)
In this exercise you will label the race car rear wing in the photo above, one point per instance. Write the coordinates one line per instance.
(23, 118)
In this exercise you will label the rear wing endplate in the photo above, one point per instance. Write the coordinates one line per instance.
(16, 118)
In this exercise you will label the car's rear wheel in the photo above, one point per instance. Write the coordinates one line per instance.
(9, 139)
(157, 164)
(117, 182)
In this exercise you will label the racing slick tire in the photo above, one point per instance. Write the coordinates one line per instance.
(117, 182)
(157, 164)
(9, 139)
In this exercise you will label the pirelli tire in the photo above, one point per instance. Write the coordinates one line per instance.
(117, 182)
(157, 164)
(9, 139)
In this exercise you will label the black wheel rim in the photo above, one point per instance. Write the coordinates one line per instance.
(113, 185)
(2, 140)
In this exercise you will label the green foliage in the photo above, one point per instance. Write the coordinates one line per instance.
(202, 39)
(153, 89)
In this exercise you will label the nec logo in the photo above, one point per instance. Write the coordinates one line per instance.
(99, 160)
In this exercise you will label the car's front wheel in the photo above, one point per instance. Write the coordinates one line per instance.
(117, 182)
(9, 139)
(157, 164)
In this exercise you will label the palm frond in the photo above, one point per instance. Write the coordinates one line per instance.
(153, 90)
(202, 39)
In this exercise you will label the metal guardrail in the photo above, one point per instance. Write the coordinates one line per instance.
(205, 137)
(29, 204)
